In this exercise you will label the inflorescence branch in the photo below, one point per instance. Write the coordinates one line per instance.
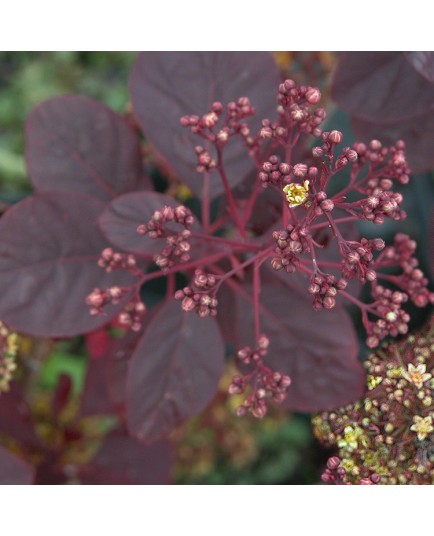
(308, 210)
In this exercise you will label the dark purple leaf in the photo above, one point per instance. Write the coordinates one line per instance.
(123, 460)
(75, 143)
(381, 87)
(174, 371)
(49, 247)
(167, 85)
(317, 349)
(14, 470)
(423, 62)
(121, 217)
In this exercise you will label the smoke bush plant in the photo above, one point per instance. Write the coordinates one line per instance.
(269, 251)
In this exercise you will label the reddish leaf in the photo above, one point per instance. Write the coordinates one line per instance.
(75, 143)
(49, 247)
(423, 62)
(123, 460)
(120, 219)
(318, 349)
(174, 371)
(167, 85)
(381, 87)
(14, 470)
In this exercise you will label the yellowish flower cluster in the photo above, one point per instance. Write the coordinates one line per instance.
(391, 431)
(8, 352)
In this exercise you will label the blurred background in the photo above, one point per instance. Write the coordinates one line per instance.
(215, 447)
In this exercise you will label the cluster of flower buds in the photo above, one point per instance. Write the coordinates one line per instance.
(8, 352)
(132, 315)
(325, 152)
(290, 243)
(324, 288)
(335, 474)
(205, 162)
(390, 432)
(274, 173)
(231, 124)
(358, 259)
(389, 163)
(110, 260)
(393, 320)
(177, 245)
(99, 298)
(295, 108)
(412, 280)
(156, 227)
(200, 296)
(381, 205)
(386, 166)
(266, 384)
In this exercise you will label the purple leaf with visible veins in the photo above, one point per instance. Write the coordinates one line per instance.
(75, 143)
(174, 371)
(48, 265)
(168, 85)
(381, 87)
(390, 96)
(317, 349)
(121, 217)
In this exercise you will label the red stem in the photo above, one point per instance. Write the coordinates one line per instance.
(205, 203)
(257, 258)
(233, 210)
(225, 241)
(256, 293)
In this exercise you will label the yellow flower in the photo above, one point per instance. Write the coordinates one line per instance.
(296, 193)
(373, 381)
(352, 437)
(12, 344)
(417, 375)
(422, 426)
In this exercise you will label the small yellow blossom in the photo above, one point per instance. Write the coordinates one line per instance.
(373, 381)
(417, 375)
(352, 438)
(12, 344)
(422, 426)
(296, 193)
(395, 372)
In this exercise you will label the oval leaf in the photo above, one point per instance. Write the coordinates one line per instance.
(49, 248)
(381, 87)
(317, 349)
(167, 85)
(75, 143)
(174, 371)
(120, 219)
(14, 470)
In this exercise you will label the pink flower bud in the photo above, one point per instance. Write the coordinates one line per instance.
(313, 95)
(335, 136)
